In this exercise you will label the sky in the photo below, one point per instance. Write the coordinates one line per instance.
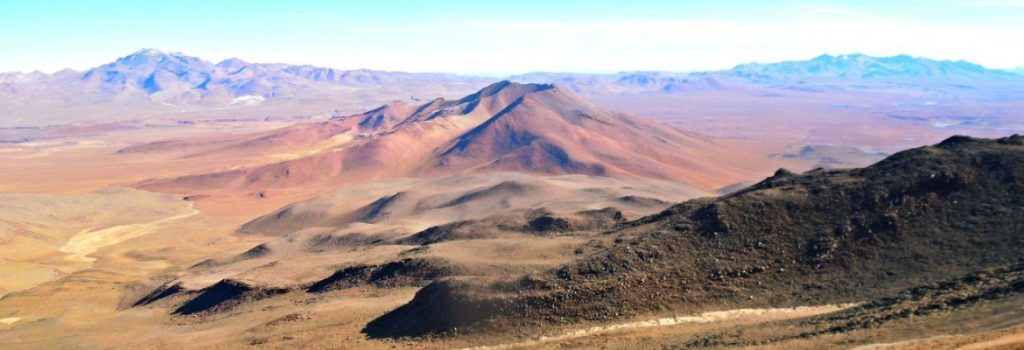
(498, 37)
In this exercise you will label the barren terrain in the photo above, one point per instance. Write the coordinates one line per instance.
(369, 214)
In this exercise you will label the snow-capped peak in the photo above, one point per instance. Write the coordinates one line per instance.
(154, 52)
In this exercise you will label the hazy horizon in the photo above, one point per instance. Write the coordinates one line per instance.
(504, 37)
(485, 74)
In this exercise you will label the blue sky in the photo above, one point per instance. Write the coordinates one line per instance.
(503, 37)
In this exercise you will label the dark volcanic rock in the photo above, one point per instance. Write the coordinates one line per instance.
(459, 230)
(441, 306)
(642, 201)
(537, 222)
(917, 217)
(164, 291)
(401, 273)
(226, 294)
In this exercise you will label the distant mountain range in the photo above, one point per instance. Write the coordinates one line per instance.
(847, 72)
(173, 79)
(172, 76)
(852, 70)
(177, 78)
(156, 80)
(858, 66)
(632, 82)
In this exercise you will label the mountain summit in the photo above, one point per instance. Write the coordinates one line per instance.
(552, 130)
(159, 74)
(152, 55)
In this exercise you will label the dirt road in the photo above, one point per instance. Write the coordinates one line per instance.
(707, 317)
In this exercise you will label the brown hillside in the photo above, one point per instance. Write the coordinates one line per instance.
(917, 217)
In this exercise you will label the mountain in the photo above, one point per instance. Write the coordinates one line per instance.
(859, 66)
(554, 131)
(748, 78)
(827, 236)
(150, 75)
(159, 75)
(164, 75)
(153, 80)
(530, 128)
(157, 84)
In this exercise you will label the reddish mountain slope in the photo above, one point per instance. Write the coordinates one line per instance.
(505, 126)
(552, 130)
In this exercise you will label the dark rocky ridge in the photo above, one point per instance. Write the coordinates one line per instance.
(401, 273)
(919, 216)
(164, 291)
(226, 294)
(535, 222)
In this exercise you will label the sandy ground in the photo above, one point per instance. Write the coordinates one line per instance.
(89, 162)
(88, 241)
(902, 344)
(1009, 341)
(1004, 339)
(44, 237)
